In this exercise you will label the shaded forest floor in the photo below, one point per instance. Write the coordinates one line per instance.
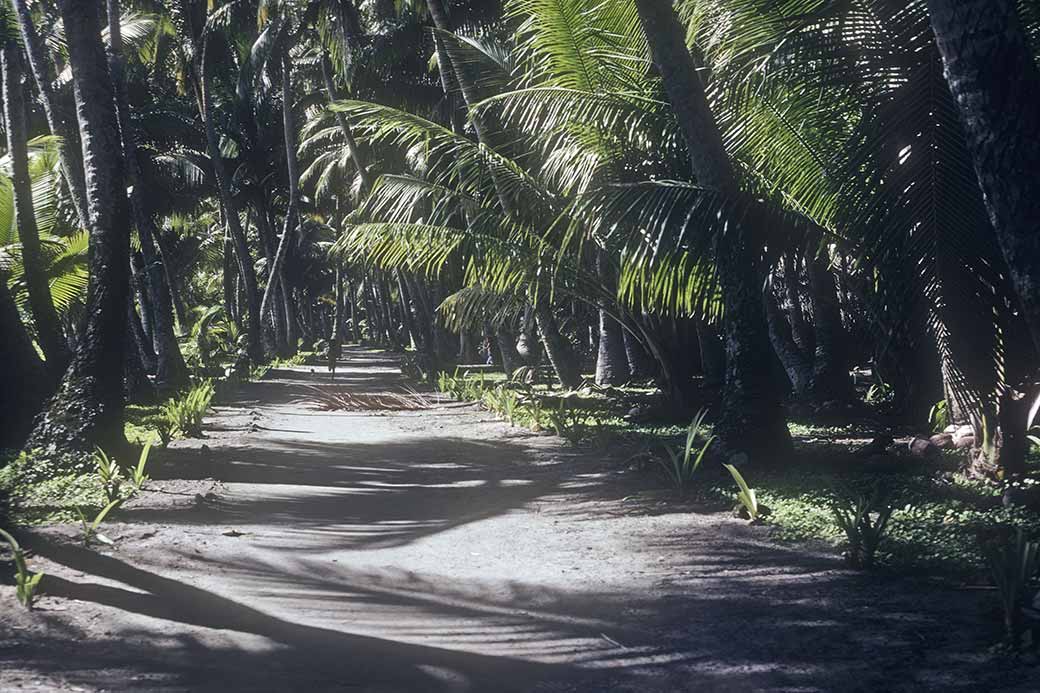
(440, 549)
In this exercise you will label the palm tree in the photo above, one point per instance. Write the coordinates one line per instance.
(87, 410)
(172, 372)
(21, 394)
(43, 72)
(990, 66)
(48, 329)
(750, 400)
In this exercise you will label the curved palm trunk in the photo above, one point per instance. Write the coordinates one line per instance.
(172, 371)
(238, 236)
(561, 356)
(21, 394)
(750, 402)
(991, 71)
(88, 408)
(344, 126)
(276, 275)
(41, 305)
(796, 363)
(640, 363)
(557, 348)
(43, 72)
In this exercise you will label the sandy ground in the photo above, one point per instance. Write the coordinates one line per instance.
(442, 550)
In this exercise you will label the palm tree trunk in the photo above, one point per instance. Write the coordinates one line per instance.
(800, 328)
(344, 126)
(750, 403)
(991, 72)
(796, 363)
(275, 272)
(640, 364)
(41, 305)
(88, 408)
(230, 210)
(611, 358)
(70, 158)
(23, 379)
(830, 377)
(172, 371)
(557, 348)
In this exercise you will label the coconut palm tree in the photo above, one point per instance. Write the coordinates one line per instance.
(87, 410)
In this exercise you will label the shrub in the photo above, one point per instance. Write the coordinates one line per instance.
(681, 466)
(110, 474)
(864, 521)
(185, 415)
(1013, 565)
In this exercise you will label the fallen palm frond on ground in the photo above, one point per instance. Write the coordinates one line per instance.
(344, 400)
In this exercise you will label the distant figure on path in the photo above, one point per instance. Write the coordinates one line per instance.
(334, 352)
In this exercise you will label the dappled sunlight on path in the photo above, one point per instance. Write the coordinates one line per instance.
(438, 549)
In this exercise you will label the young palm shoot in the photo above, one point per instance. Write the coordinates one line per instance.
(139, 477)
(26, 581)
(681, 468)
(749, 507)
(90, 527)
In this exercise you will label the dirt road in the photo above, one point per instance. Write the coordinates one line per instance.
(296, 549)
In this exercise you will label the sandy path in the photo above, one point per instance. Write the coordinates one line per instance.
(440, 550)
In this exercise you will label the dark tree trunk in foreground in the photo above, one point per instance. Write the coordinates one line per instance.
(87, 411)
(70, 157)
(992, 75)
(23, 381)
(41, 305)
(230, 210)
(172, 371)
(751, 420)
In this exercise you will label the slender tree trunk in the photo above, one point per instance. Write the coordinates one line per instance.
(992, 73)
(344, 126)
(41, 305)
(140, 289)
(88, 408)
(830, 378)
(137, 388)
(800, 328)
(277, 317)
(172, 372)
(751, 420)
(640, 364)
(234, 224)
(713, 354)
(611, 359)
(291, 213)
(796, 363)
(559, 351)
(70, 159)
(23, 380)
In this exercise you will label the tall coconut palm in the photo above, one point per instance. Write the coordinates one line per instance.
(172, 372)
(45, 318)
(87, 410)
(750, 399)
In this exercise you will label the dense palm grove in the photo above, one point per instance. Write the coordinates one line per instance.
(743, 202)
